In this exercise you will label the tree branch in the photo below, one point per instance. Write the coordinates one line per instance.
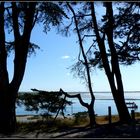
(78, 96)
(85, 15)
(15, 21)
(87, 36)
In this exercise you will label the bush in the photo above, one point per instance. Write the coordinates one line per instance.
(80, 117)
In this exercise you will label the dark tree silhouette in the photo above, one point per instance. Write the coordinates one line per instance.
(112, 71)
(90, 106)
(19, 19)
(127, 32)
(104, 51)
(47, 103)
(121, 31)
(82, 68)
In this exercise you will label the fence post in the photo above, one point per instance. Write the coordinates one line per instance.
(133, 121)
(109, 114)
(71, 108)
(133, 115)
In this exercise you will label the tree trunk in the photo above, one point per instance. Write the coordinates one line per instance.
(122, 108)
(119, 101)
(7, 112)
(91, 115)
(8, 91)
(7, 105)
(91, 106)
(117, 90)
(86, 105)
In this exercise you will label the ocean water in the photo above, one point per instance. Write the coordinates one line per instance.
(102, 102)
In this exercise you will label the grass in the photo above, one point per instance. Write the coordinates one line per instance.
(104, 119)
(61, 123)
(44, 126)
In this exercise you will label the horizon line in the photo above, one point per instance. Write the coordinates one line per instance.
(127, 91)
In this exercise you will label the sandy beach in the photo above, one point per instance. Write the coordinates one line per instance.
(32, 118)
(25, 118)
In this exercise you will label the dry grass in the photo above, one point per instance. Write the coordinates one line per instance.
(114, 118)
(35, 123)
(105, 119)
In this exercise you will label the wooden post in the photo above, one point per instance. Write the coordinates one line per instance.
(133, 121)
(71, 109)
(133, 115)
(109, 114)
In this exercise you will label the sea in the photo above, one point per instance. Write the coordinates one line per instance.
(103, 100)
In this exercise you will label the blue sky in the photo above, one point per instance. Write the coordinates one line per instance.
(48, 69)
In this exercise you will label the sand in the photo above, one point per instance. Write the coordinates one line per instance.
(25, 118)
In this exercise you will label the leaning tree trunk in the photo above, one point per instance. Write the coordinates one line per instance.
(119, 101)
(123, 110)
(90, 106)
(117, 91)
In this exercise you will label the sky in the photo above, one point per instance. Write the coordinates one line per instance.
(49, 69)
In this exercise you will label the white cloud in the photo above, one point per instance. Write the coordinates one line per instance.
(68, 74)
(65, 57)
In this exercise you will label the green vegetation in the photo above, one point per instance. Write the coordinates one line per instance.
(37, 123)
(81, 118)
(44, 125)
(48, 103)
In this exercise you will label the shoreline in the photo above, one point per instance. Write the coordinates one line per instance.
(81, 131)
(34, 118)
(102, 119)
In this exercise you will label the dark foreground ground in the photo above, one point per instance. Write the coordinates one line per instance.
(102, 131)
